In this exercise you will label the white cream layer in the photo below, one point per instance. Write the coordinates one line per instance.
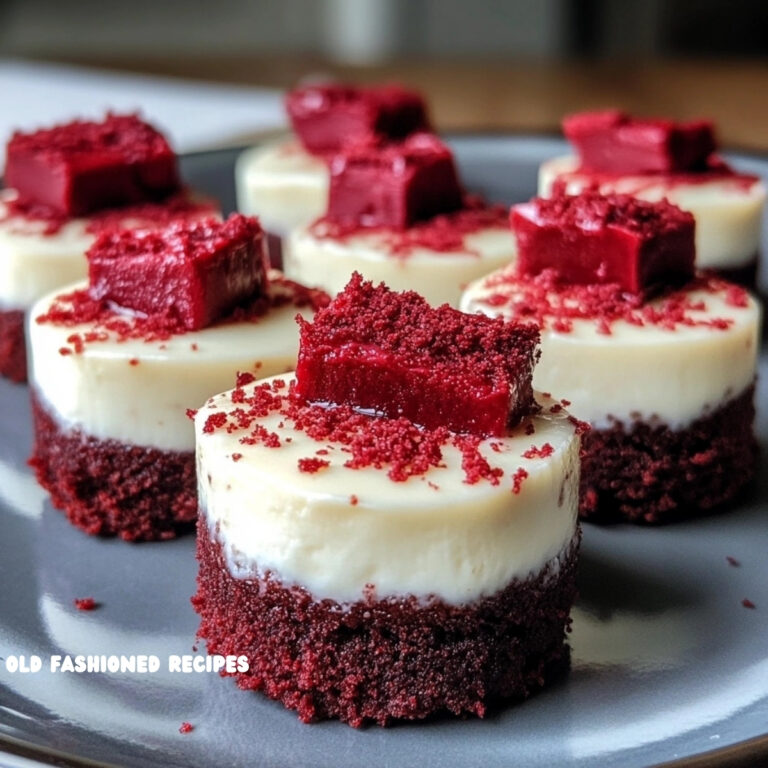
(647, 373)
(728, 213)
(439, 276)
(457, 541)
(101, 393)
(282, 184)
(32, 263)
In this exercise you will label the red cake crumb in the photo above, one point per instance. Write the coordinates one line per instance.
(13, 351)
(186, 728)
(517, 480)
(84, 166)
(747, 603)
(614, 142)
(617, 239)
(382, 660)
(633, 472)
(196, 271)
(394, 185)
(353, 500)
(732, 561)
(237, 456)
(330, 116)
(312, 465)
(108, 322)
(551, 304)
(534, 452)
(108, 488)
(393, 354)
(85, 604)
(445, 233)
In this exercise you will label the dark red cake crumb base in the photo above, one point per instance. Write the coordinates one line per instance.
(108, 488)
(274, 250)
(13, 352)
(385, 660)
(652, 475)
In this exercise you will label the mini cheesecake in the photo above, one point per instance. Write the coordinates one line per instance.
(392, 533)
(285, 183)
(167, 318)
(65, 185)
(397, 213)
(659, 159)
(659, 360)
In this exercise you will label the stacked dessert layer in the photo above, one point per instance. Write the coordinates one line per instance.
(392, 533)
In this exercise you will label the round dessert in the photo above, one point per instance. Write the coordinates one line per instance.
(66, 185)
(666, 380)
(111, 388)
(372, 568)
(662, 160)
(284, 185)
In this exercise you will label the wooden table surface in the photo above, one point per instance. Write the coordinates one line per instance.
(524, 96)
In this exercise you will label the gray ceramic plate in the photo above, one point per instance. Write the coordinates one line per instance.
(667, 663)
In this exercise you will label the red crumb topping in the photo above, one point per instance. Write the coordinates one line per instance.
(85, 604)
(616, 239)
(613, 141)
(186, 728)
(237, 456)
(535, 452)
(393, 185)
(747, 603)
(85, 166)
(517, 480)
(327, 117)
(108, 322)
(732, 561)
(313, 465)
(353, 500)
(445, 233)
(394, 444)
(550, 304)
(393, 354)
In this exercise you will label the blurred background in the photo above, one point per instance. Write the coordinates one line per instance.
(485, 64)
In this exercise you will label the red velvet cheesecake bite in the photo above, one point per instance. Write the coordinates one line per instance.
(376, 555)
(397, 213)
(657, 159)
(169, 316)
(660, 360)
(65, 185)
(285, 183)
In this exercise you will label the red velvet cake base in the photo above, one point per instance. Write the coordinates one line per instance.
(108, 488)
(13, 352)
(275, 250)
(652, 475)
(385, 660)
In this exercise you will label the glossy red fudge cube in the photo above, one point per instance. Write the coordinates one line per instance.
(197, 271)
(614, 142)
(392, 354)
(81, 167)
(331, 116)
(394, 185)
(591, 238)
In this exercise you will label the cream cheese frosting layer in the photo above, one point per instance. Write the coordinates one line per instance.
(339, 530)
(728, 210)
(282, 184)
(649, 373)
(439, 276)
(33, 263)
(138, 391)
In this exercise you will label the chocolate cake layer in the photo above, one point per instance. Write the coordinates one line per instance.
(13, 353)
(388, 659)
(109, 488)
(652, 474)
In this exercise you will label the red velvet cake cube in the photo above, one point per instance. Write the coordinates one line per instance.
(81, 167)
(393, 355)
(591, 238)
(329, 117)
(394, 185)
(614, 142)
(197, 271)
